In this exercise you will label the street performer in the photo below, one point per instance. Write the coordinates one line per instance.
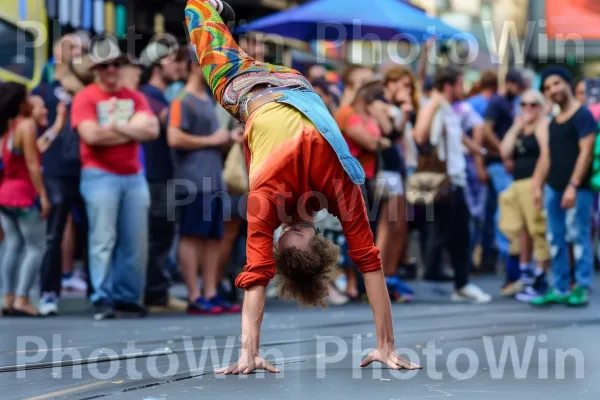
(298, 164)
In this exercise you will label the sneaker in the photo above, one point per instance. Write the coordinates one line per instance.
(396, 284)
(541, 284)
(471, 293)
(168, 304)
(335, 298)
(202, 307)
(104, 311)
(227, 14)
(399, 291)
(528, 294)
(130, 310)
(537, 289)
(551, 297)
(225, 305)
(512, 288)
(527, 277)
(48, 306)
(578, 297)
(74, 284)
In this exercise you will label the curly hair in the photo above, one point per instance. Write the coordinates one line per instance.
(303, 275)
(13, 96)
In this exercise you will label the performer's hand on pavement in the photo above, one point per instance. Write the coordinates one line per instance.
(387, 355)
(246, 365)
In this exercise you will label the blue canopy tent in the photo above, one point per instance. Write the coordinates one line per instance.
(338, 20)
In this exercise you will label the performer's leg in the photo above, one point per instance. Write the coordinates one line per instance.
(219, 55)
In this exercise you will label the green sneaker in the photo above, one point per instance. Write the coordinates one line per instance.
(578, 297)
(551, 297)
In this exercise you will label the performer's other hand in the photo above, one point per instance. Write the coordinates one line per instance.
(387, 355)
(246, 365)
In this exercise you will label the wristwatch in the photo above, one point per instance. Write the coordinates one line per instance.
(483, 151)
(573, 184)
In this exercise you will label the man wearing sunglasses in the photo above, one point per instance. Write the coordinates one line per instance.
(112, 121)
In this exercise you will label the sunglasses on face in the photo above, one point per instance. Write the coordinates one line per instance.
(525, 104)
(116, 64)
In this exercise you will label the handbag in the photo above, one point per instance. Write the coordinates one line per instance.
(234, 171)
(430, 184)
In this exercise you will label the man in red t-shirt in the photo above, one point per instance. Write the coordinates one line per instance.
(112, 121)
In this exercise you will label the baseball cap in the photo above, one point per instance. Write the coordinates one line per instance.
(155, 52)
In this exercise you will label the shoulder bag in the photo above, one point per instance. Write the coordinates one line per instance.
(430, 184)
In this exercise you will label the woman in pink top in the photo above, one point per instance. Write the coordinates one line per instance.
(364, 138)
(23, 201)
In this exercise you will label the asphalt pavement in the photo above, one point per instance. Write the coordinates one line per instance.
(503, 350)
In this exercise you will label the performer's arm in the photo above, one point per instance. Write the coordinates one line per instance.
(346, 203)
(252, 315)
(258, 272)
(380, 305)
(352, 213)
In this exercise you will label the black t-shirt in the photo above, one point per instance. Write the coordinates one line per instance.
(157, 154)
(526, 154)
(564, 148)
(392, 158)
(500, 112)
(61, 160)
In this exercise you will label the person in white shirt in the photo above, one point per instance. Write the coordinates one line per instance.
(450, 224)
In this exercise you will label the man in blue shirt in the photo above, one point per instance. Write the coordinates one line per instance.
(159, 71)
(62, 167)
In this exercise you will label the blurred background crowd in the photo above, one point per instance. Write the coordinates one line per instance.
(122, 177)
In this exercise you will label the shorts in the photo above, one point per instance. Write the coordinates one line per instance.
(203, 217)
(236, 207)
(389, 182)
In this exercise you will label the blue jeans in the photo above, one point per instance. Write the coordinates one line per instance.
(501, 180)
(557, 238)
(117, 207)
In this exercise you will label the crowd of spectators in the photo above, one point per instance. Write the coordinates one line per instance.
(129, 166)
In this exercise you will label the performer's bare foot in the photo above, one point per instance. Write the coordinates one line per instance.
(246, 365)
(387, 355)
